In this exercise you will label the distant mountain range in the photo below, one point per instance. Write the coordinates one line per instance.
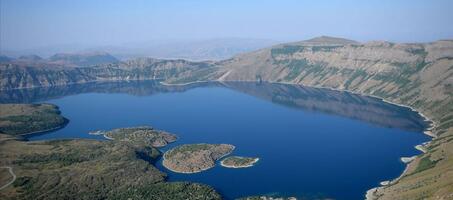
(419, 75)
(196, 50)
(62, 60)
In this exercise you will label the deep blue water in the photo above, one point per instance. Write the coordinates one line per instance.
(329, 144)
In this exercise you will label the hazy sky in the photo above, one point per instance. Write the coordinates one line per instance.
(37, 23)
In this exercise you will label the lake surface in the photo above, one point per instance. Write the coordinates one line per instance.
(312, 143)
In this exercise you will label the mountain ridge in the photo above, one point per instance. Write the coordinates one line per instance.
(419, 75)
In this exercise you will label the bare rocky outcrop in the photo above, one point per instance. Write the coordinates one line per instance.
(416, 75)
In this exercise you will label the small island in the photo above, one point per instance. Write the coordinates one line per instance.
(145, 135)
(21, 119)
(193, 158)
(238, 162)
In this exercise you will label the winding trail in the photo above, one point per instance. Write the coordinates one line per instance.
(10, 169)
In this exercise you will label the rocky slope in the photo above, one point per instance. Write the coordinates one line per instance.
(14, 75)
(417, 75)
(193, 158)
(360, 107)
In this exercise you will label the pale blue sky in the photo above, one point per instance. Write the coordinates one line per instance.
(36, 23)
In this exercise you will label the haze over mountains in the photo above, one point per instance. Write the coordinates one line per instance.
(62, 60)
(202, 49)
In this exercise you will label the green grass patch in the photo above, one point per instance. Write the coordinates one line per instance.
(425, 164)
(286, 50)
(324, 48)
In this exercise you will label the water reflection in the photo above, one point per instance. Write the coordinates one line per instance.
(368, 109)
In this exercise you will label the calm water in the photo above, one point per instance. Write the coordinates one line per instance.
(311, 142)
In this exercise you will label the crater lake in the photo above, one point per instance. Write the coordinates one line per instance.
(312, 143)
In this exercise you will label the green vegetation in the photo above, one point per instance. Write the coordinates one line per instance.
(199, 75)
(62, 159)
(19, 119)
(324, 48)
(446, 118)
(424, 164)
(301, 66)
(291, 49)
(188, 149)
(143, 135)
(295, 68)
(90, 169)
(21, 181)
(238, 161)
(418, 51)
(286, 50)
(167, 191)
(401, 75)
(357, 73)
(446, 125)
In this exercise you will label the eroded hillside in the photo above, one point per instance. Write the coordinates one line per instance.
(417, 75)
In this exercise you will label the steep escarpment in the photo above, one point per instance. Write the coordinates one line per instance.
(416, 75)
(13, 75)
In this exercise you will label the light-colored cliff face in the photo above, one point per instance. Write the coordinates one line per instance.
(362, 67)
(417, 75)
(42, 75)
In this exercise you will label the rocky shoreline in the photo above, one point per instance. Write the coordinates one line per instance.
(370, 194)
(194, 158)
